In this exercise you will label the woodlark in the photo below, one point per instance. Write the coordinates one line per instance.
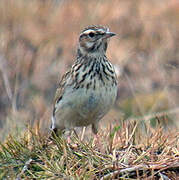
(88, 90)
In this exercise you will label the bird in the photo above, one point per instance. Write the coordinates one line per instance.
(88, 90)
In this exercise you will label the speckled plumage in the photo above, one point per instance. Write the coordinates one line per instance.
(88, 90)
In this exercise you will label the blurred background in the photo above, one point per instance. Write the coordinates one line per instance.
(38, 41)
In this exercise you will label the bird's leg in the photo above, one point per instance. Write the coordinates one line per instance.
(95, 131)
(95, 127)
(76, 134)
(82, 134)
(71, 134)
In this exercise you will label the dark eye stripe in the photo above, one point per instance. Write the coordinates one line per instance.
(82, 36)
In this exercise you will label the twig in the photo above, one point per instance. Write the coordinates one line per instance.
(125, 171)
(143, 167)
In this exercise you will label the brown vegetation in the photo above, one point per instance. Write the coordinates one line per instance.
(38, 42)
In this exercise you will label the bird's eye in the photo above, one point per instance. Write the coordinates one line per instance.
(91, 34)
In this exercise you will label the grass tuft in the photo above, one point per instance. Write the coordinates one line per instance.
(114, 153)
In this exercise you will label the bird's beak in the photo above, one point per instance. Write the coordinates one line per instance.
(109, 34)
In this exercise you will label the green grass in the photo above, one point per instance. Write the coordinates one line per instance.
(120, 152)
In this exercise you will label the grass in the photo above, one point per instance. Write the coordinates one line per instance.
(38, 42)
(121, 152)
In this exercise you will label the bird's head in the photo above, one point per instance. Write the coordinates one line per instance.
(94, 40)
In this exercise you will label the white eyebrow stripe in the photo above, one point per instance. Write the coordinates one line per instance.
(91, 30)
(88, 31)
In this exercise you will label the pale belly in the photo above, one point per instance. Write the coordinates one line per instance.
(83, 107)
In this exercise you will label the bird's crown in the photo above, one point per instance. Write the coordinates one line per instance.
(93, 39)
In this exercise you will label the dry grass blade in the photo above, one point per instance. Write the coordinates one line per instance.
(39, 157)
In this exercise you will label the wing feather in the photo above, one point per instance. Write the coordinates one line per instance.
(60, 89)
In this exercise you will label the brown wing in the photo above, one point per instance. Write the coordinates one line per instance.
(60, 89)
(71, 74)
